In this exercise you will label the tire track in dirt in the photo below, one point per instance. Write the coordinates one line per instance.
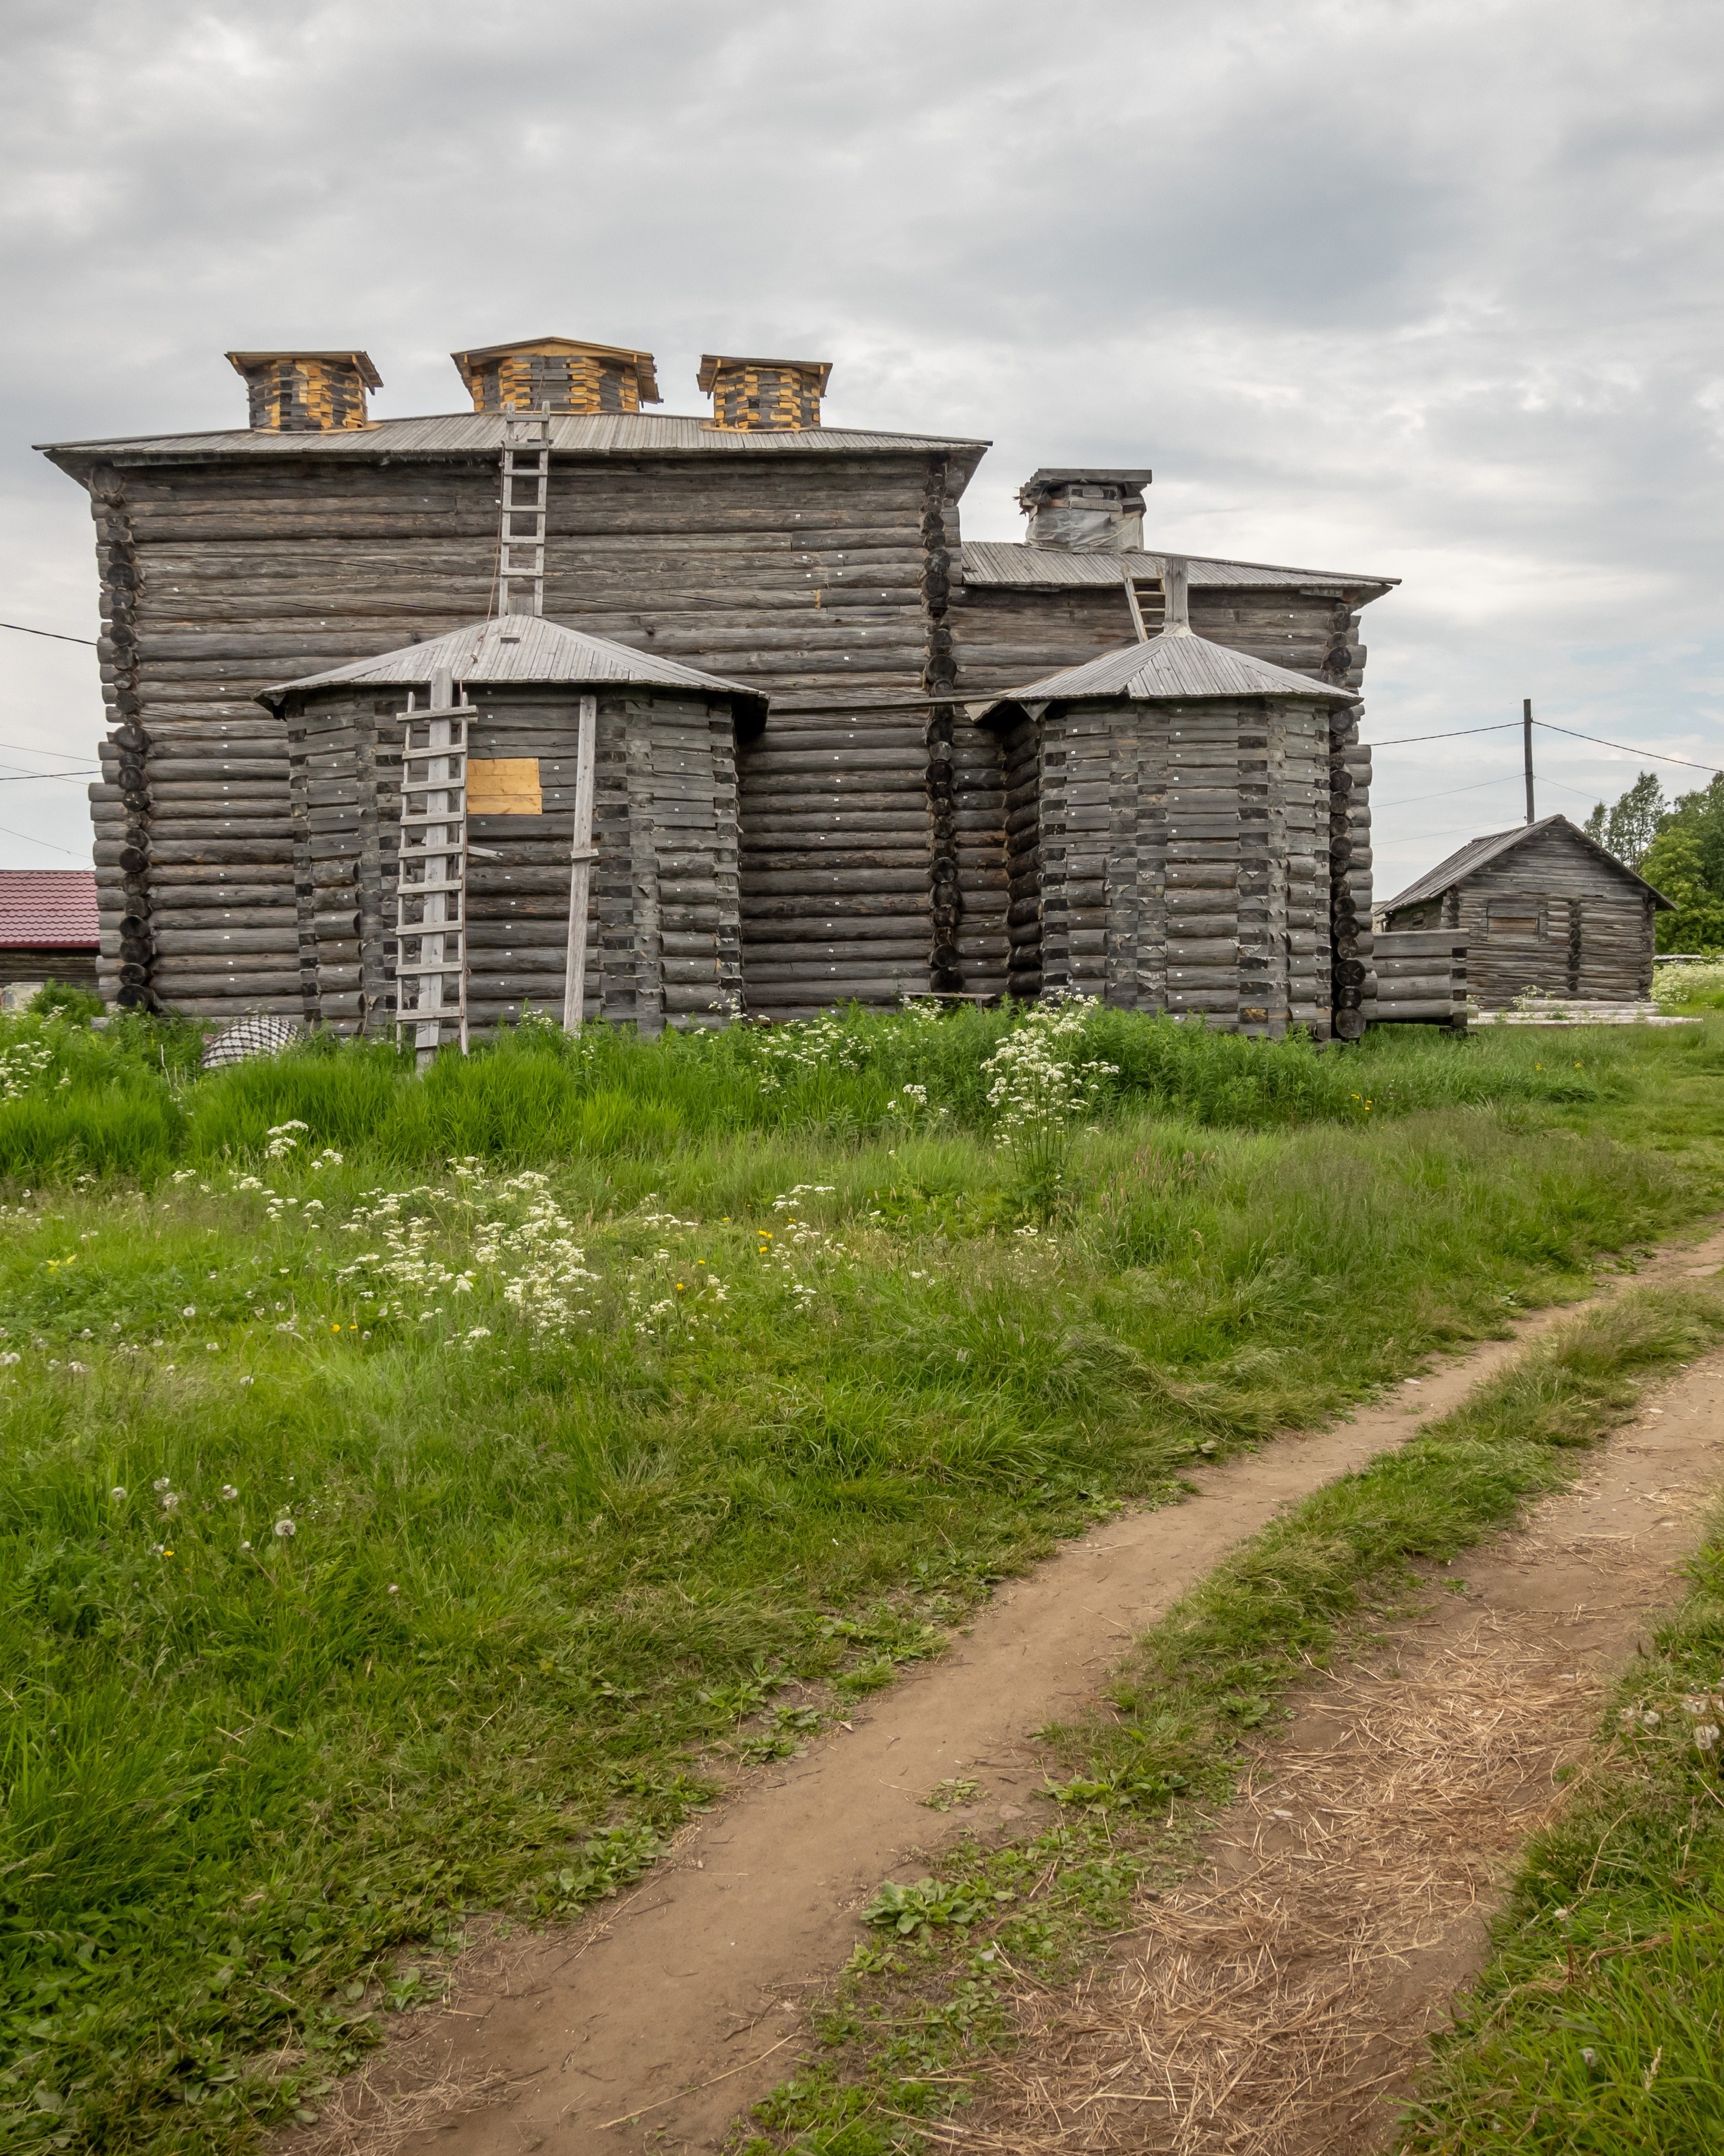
(1278, 2002)
(677, 2008)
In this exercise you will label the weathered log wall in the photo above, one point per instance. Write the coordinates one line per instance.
(1419, 977)
(824, 580)
(1010, 635)
(662, 937)
(1549, 915)
(1181, 858)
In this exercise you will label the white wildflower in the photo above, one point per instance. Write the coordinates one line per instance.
(284, 1529)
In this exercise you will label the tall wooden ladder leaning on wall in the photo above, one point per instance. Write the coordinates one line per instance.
(1146, 597)
(527, 492)
(431, 890)
(520, 589)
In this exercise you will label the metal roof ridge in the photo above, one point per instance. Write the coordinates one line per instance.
(1208, 560)
(373, 428)
(1473, 854)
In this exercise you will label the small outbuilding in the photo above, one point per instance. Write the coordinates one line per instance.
(570, 819)
(1177, 835)
(1543, 907)
(48, 928)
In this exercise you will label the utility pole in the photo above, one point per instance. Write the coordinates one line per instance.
(1527, 748)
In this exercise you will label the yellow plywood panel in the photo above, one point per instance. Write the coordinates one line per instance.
(504, 786)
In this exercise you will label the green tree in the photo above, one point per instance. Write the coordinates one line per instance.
(1674, 863)
(1628, 827)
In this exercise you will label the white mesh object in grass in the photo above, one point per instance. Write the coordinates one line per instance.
(248, 1037)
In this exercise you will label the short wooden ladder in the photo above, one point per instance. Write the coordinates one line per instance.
(1148, 599)
(526, 488)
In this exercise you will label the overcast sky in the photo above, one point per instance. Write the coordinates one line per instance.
(1427, 291)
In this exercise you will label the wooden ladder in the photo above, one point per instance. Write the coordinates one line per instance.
(526, 488)
(431, 890)
(1146, 597)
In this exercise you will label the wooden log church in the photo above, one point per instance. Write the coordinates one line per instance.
(868, 840)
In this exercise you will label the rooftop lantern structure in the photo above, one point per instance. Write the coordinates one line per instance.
(306, 392)
(764, 395)
(516, 815)
(557, 374)
(1180, 851)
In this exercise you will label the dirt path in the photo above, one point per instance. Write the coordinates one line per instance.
(1278, 2003)
(679, 2007)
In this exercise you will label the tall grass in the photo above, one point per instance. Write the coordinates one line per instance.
(129, 1101)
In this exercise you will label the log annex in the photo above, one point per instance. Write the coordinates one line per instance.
(828, 759)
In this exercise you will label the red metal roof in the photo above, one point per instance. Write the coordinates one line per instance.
(48, 910)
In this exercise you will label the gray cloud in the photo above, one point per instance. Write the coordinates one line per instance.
(1430, 289)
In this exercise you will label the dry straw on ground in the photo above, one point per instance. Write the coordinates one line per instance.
(1266, 2006)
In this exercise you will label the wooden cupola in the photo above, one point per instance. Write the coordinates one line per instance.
(557, 374)
(306, 392)
(764, 395)
(1086, 512)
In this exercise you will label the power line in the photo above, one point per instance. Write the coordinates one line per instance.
(14, 778)
(24, 630)
(1458, 733)
(33, 748)
(1657, 755)
(30, 839)
(1454, 733)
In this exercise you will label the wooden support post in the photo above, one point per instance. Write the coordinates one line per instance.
(581, 859)
(1526, 750)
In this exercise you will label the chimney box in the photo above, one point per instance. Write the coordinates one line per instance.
(306, 392)
(763, 396)
(1086, 512)
(557, 374)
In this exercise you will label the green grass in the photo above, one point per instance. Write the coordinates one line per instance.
(561, 1538)
(1595, 2027)
(907, 2031)
(127, 1102)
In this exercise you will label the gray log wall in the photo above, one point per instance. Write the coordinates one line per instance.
(1180, 858)
(823, 579)
(663, 940)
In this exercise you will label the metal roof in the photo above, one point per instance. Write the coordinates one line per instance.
(523, 647)
(712, 362)
(481, 433)
(241, 361)
(1001, 561)
(1466, 860)
(1173, 667)
(48, 910)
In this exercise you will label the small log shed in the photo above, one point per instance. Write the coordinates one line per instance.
(1541, 907)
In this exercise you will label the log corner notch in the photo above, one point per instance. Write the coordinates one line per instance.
(120, 806)
(940, 681)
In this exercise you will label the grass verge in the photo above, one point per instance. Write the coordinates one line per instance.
(906, 2037)
(1595, 2027)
